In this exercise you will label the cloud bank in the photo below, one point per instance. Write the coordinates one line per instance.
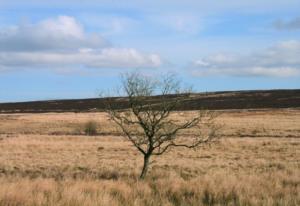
(280, 60)
(63, 42)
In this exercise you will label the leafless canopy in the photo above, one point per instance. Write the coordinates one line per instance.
(148, 123)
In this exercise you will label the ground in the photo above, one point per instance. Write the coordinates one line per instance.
(45, 159)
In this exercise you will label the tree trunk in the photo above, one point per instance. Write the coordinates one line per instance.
(145, 167)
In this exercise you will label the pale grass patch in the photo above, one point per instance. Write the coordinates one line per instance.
(236, 123)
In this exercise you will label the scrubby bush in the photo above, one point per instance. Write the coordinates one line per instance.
(90, 128)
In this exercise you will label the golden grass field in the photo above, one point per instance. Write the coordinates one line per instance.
(45, 159)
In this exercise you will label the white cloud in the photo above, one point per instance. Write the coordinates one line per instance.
(63, 42)
(105, 58)
(61, 33)
(281, 60)
(251, 71)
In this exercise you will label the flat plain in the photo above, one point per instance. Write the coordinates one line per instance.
(46, 159)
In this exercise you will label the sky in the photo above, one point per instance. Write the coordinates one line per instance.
(63, 49)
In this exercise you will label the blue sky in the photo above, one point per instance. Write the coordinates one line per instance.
(69, 49)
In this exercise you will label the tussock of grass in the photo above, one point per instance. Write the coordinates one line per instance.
(90, 128)
(225, 189)
(51, 170)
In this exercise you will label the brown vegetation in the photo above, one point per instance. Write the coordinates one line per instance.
(256, 99)
(45, 160)
(90, 127)
(236, 123)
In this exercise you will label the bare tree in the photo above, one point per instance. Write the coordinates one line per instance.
(148, 122)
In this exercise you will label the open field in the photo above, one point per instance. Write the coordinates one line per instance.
(236, 123)
(45, 159)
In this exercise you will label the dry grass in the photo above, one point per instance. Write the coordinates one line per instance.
(39, 168)
(237, 123)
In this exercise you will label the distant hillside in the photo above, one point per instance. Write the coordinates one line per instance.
(258, 99)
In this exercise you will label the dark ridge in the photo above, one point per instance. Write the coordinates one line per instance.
(256, 99)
